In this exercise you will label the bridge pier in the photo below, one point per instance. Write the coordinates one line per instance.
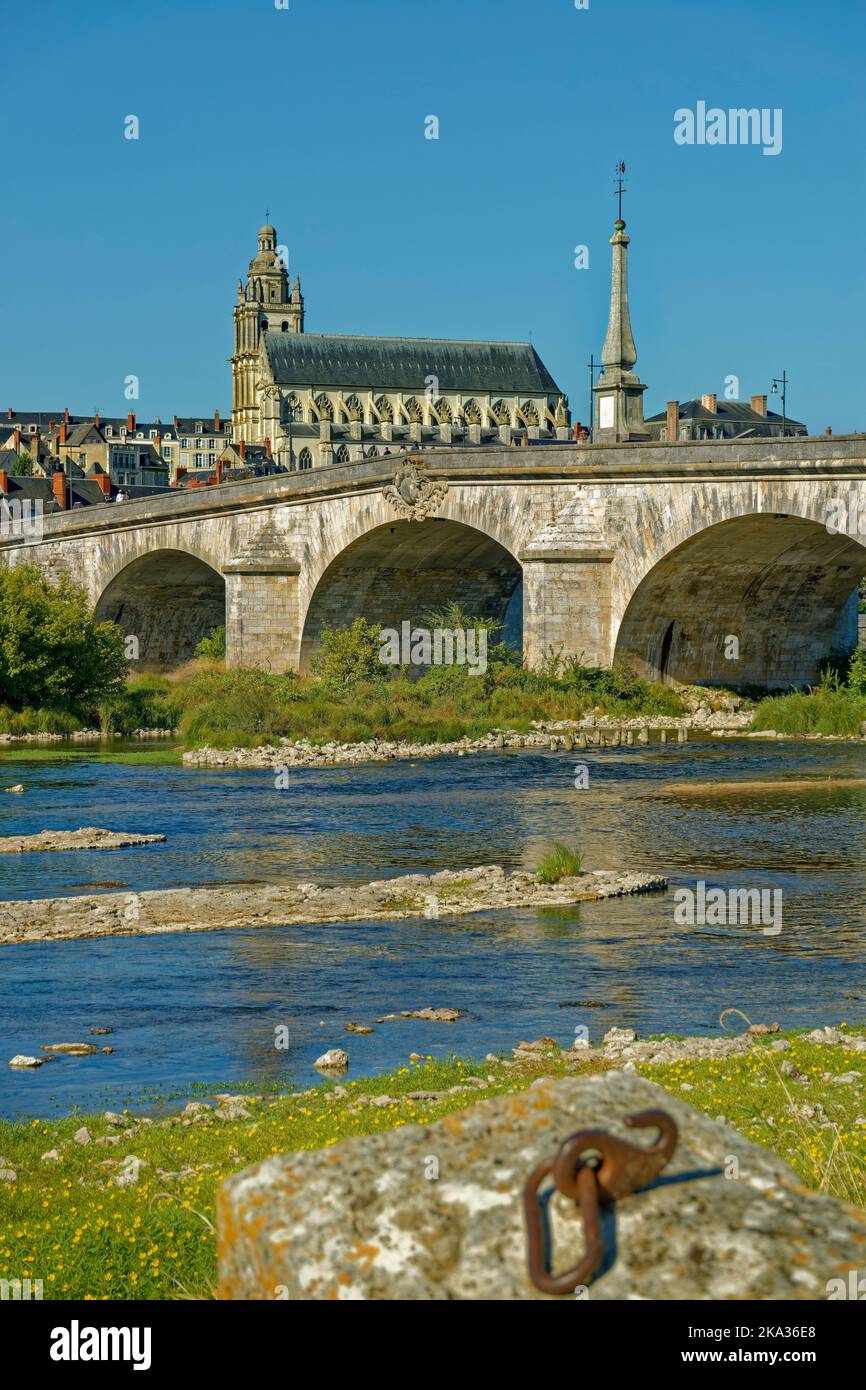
(567, 605)
(262, 616)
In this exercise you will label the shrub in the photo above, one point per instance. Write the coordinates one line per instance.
(559, 862)
(856, 678)
(350, 653)
(213, 645)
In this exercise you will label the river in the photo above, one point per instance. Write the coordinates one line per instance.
(203, 1008)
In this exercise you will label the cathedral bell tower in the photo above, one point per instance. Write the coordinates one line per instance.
(264, 304)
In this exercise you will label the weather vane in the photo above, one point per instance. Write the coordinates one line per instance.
(620, 171)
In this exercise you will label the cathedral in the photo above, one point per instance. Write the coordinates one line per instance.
(317, 398)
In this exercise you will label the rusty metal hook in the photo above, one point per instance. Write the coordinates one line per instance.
(592, 1167)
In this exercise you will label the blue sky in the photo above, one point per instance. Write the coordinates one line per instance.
(121, 257)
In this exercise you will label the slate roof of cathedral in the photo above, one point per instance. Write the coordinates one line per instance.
(403, 364)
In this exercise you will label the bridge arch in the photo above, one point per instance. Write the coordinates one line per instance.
(758, 599)
(167, 599)
(399, 571)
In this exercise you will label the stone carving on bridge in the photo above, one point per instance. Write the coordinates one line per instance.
(412, 494)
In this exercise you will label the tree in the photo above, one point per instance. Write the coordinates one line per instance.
(23, 466)
(53, 652)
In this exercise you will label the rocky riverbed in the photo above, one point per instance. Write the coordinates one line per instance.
(87, 837)
(564, 736)
(211, 909)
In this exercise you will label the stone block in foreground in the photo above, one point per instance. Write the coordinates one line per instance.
(362, 1220)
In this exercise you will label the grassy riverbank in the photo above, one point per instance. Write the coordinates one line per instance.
(65, 1222)
(230, 709)
(352, 699)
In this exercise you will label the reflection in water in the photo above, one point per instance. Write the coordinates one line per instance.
(203, 1008)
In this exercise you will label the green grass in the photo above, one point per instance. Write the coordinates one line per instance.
(66, 1224)
(246, 708)
(819, 711)
(559, 862)
(38, 721)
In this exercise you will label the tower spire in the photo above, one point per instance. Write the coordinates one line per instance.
(619, 392)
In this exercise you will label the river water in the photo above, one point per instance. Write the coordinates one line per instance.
(203, 1007)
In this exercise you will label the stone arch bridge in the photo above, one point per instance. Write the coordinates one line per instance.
(651, 555)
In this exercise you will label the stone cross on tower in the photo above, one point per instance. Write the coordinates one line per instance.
(619, 392)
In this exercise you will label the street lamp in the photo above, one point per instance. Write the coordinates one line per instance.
(780, 384)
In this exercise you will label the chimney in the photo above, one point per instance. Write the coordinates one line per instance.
(34, 446)
(104, 482)
(216, 422)
(96, 419)
(16, 436)
(66, 413)
(9, 413)
(243, 450)
(759, 405)
(219, 471)
(4, 480)
(673, 421)
(709, 403)
(62, 439)
(267, 444)
(130, 422)
(58, 487)
(176, 423)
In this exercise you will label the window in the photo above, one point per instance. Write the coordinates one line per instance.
(284, 327)
(198, 460)
(305, 459)
(184, 443)
(342, 454)
(166, 453)
(199, 427)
